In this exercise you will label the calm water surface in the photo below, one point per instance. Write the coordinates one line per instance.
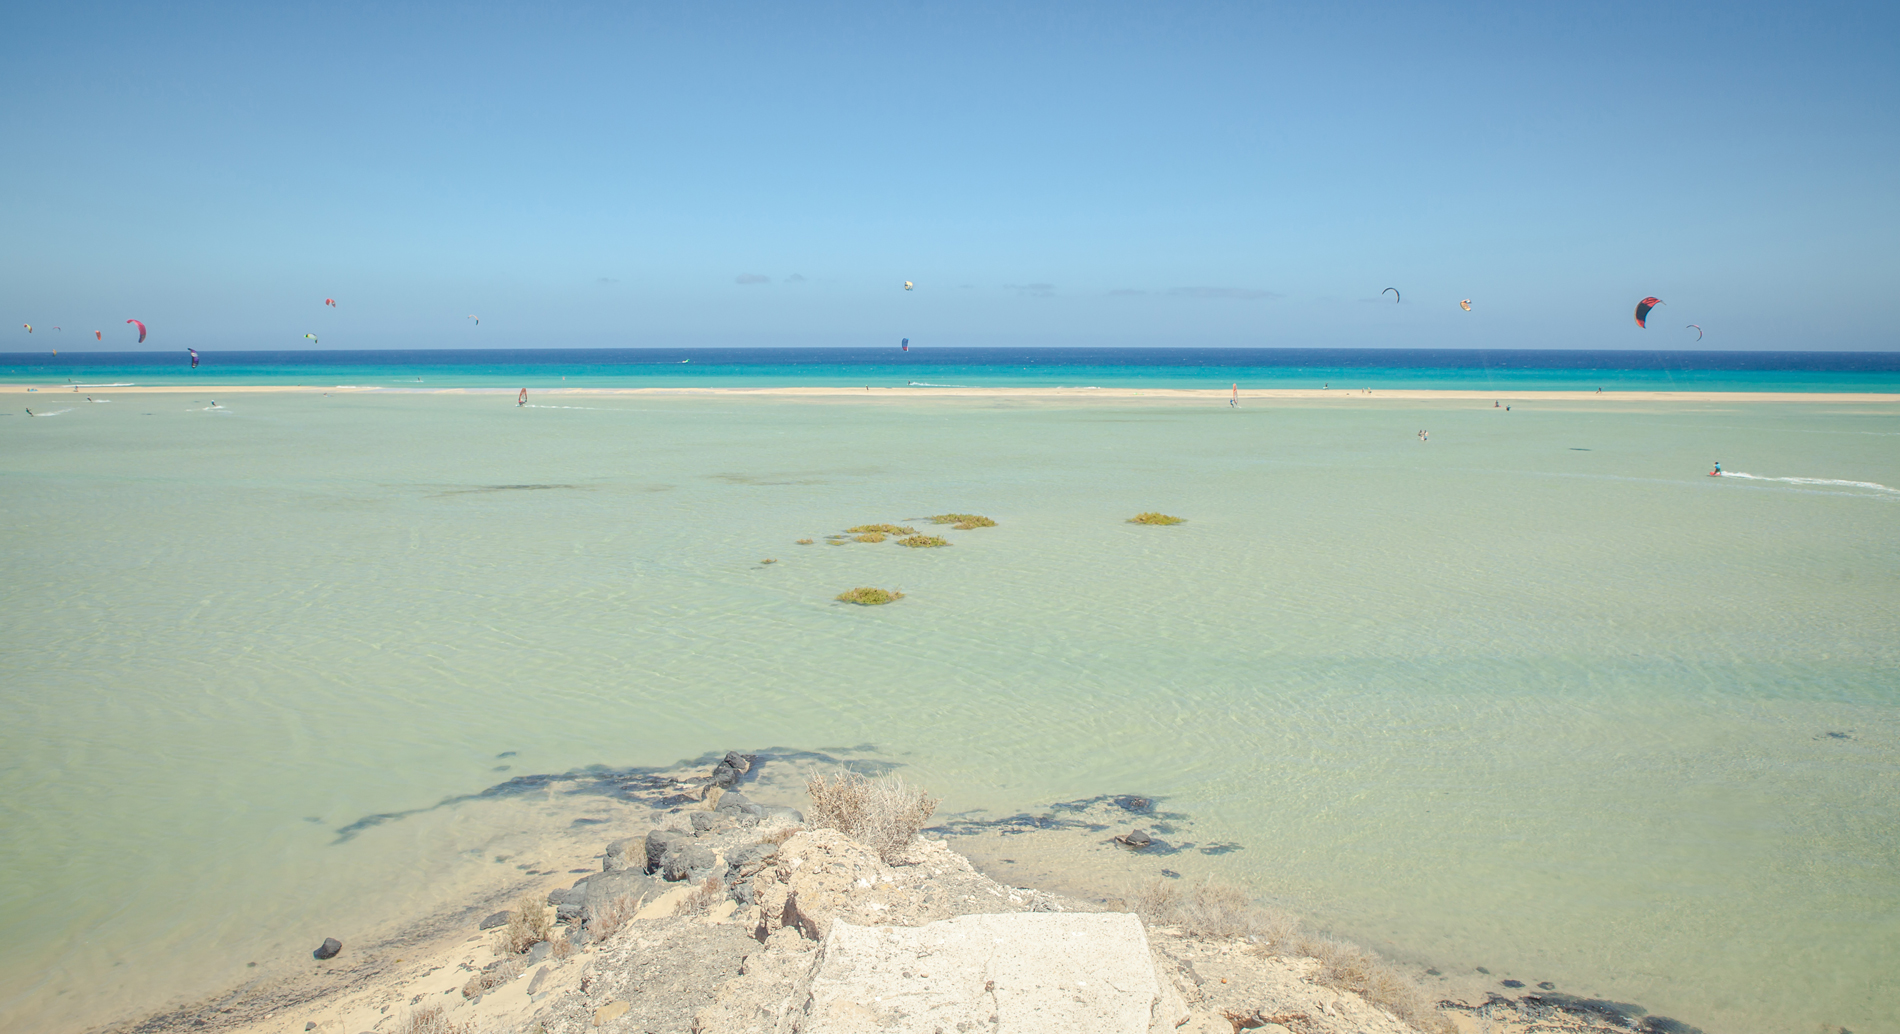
(1535, 694)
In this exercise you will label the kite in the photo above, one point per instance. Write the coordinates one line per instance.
(906, 344)
(1697, 328)
(98, 335)
(312, 337)
(331, 302)
(194, 357)
(1395, 294)
(1642, 310)
(477, 319)
(141, 327)
(1465, 305)
(28, 326)
(908, 285)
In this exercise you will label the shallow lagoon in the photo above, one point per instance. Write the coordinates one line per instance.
(1533, 695)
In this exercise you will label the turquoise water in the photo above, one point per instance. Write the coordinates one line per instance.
(1528, 370)
(1535, 694)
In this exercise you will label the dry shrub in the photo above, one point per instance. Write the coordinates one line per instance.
(495, 976)
(1349, 967)
(560, 948)
(611, 916)
(528, 926)
(1154, 518)
(701, 901)
(882, 814)
(924, 541)
(865, 596)
(871, 536)
(1211, 909)
(431, 1021)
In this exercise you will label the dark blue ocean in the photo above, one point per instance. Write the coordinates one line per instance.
(982, 367)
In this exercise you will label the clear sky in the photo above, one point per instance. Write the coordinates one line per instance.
(1069, 174)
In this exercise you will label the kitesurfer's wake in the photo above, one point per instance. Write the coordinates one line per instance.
(1833, 482)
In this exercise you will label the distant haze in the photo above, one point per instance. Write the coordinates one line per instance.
(1104, 174)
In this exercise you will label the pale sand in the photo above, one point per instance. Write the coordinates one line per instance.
(1203, 395)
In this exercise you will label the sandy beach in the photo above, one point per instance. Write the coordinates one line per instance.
(1120, 394)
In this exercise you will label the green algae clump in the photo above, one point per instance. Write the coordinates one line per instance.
(871, 536)
(867, 597)
(923, 541)
(804, 542)
(888, 529)
(964, 521)
(1154, 518)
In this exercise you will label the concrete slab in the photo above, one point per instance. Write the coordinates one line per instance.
(1022, 973)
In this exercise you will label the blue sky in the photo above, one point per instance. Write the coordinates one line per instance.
(1075, 174)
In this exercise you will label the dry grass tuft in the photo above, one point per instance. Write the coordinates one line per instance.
(480, 983)
(963, 521)
(1155, 518)
(701, 901)
(804, 542)
(560, 948)
(923, 541)
(1210, 909)
(865, 596)
(871, 536)
(888, 529)
(882, 814)
(529, 926)
(612, 916)
(779, 836)
(431, 1021)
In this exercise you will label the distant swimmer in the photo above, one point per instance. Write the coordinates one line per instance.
(522, 399)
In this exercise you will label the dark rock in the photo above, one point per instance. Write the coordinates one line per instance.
(1136, 839)
(539, 952)
(743, 894)
(725, 776)
(310, 1025)
(1665, 1025)
(1512, 983)
(577, 936)
(690, 863)
(1485, 971)
(737, 761)
(540, 977)
(598, 891)
(658, 842)
(1140, 805)
(498, 919)
(625, 853)
(328, 949)
(1547, 985)
(703, 821)
(558, 895)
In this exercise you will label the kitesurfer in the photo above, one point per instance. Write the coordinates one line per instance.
(1717, 472)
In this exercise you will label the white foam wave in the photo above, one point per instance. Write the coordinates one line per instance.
(533, 405)
(114, 384)
(927, 384)
(1813, 481)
